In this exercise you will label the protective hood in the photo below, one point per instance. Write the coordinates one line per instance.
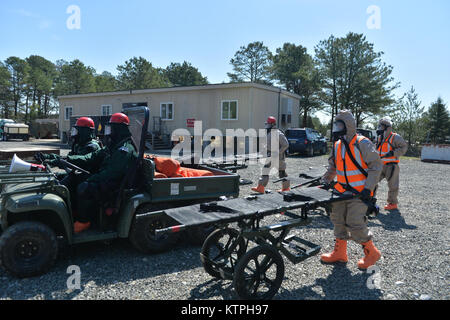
(350, 123)
(84, 135)
(119, 132)
(388, 124)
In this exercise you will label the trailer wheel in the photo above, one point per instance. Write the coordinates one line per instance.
(28, 249)
(216, 248)
(259, 273)
(142, 233)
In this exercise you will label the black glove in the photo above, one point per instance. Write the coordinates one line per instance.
(55, 163)
(38, 156)
(325, 185)
(365, 195)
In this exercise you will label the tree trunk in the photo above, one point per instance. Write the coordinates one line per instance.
(45, 105)
(26, 108)
(305, 117)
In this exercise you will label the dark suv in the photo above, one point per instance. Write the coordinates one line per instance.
(306, 140)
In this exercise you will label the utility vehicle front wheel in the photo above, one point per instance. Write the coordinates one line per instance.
(142, 233)
(28, 249)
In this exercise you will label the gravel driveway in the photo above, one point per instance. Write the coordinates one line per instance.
(415, 263)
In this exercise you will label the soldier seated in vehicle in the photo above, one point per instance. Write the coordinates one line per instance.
(84, 141)
(108, 166)
(83, 138)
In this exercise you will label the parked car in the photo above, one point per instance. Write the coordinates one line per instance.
(306, 140)
(366, 133)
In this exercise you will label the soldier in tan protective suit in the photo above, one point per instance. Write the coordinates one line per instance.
(283, 145)
(354, 176)
(391, 147)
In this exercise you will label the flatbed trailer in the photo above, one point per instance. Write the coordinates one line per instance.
(257, 272)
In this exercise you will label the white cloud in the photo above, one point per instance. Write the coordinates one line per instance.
(25, 13)
(43, 23)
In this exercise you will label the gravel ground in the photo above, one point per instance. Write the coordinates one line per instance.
(414, 265)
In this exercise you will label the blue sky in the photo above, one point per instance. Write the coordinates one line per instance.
(414, 35)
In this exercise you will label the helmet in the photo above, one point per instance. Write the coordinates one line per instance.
(385, 122)
(271, 120)
(85, 122)
(119, 118)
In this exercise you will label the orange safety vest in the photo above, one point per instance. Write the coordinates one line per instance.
(385, 147)
(348, 173)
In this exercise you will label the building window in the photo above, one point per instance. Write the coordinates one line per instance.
(286, 110)
(106, 110)
(229, 110)
(166, 111)
(68, 113)
(134, 104)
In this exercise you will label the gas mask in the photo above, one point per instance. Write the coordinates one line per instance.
(112, 134)
(73, 132)
(108, 138)
(339, 130)
(380, 130)
(107, 130)
(268, 127)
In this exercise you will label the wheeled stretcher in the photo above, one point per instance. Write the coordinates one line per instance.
(227, 253)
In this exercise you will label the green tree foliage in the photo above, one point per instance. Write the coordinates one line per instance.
(438, 122)
(184, 75)
(407, 118)
(5, 93)
(138, 73)
(251, 63)
(294, 68)
(40, 85)
(319, 126)
(74, 78)
(105, 82)
(354, 77)
(329, 62)
(18, 69)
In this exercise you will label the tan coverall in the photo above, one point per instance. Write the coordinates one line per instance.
(283, 146)
(349, 216)
(391, 171)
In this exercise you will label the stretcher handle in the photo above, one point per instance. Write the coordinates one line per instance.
(172, 229)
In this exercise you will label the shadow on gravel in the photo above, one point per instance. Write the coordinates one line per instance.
(100, 264)
(341, 284)
(391, 221)
(213, 288)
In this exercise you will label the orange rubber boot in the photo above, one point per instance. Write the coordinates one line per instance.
(339, 254)
(259, 189)
(391, 206)
(284, 190)
(80, 226)
(371, 255)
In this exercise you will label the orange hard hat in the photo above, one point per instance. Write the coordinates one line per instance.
(85, 122)
(119, 118)
(271, 120)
